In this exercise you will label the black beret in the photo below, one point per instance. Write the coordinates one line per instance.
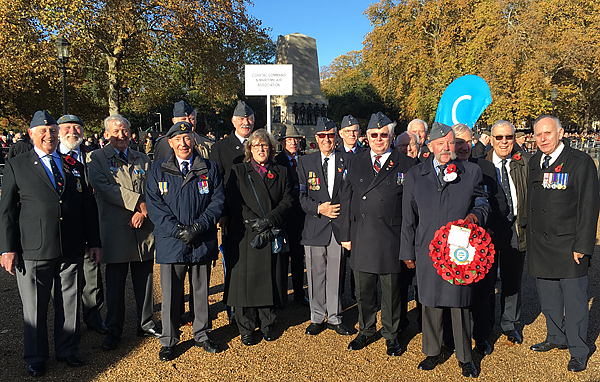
(325, 124)
(70, 118)
(378, 121)
(182, 109)
(242, 110)
(348, 120)
(439, 130)
(42, 117)
(180, 128)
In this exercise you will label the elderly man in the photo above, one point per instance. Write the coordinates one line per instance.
(483, 146)
(562, 205)
(70, 135)
(419, 127)
(520, 139)
(431, 199)
(182, 112)
(47, 216)
(320, 175)
(371, 229)
(185, 200)
(289, 138)
(408, 143)
(349, 132)
(118, 175)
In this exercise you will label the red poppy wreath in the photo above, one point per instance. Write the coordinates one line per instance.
(462, 266)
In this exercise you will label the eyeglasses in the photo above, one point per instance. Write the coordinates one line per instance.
(382, 135)
(459, 142)
(323, 135)
(350, 132)
(501, 137)
(260, 145)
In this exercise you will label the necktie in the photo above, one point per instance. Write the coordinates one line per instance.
(123, 157)
(440, 174)
(377, 164)
(73, 154)
(185, 167)
(58, 179)
(294, 164)
(506, 188)
(325, 170)
(546, 163)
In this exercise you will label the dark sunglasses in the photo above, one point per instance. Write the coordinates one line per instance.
(323, 135)
(501, 137)
(382, 135)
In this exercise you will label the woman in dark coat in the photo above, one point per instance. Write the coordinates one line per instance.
(258, 195)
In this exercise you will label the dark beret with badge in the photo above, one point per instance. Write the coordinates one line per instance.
(348, 121)
(42, 118)
(180, 128)
(70, 118)
(379, 120)
(242, 110)
(438, 130)
(325, 124)
(182, 109)
(288, 131)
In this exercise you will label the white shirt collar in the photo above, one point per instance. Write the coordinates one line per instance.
(239, 137)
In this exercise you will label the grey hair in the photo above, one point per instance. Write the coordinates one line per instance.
(410, 135)
(556, 120)
(119, 119)
(261, 135)
(460, 128)
(502, 122)
(417, 120)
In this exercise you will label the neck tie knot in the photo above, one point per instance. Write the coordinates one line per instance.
(185, 167)
(377, 164)
(546, 163)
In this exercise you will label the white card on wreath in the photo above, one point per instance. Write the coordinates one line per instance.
(459, 236)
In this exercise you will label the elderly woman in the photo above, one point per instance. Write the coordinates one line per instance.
(259, 196)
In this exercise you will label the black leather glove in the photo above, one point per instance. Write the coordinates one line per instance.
(261, 224)
(189, 233)
(262, 239)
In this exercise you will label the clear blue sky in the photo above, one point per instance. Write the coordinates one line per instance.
(338, 26)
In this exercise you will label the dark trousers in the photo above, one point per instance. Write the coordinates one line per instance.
(247, 318)
(345, 259)
(511, 273)
(433, 332)
(484, 305)
(172, 281)
(393, 306)
(92, 295)
(37, 280)
(564, 303)
(295, 260)
(142, 279)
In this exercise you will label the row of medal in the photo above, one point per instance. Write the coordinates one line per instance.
(203, 187)
(314, 183)
(555, 180)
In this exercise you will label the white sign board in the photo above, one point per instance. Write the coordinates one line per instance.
(269, 80)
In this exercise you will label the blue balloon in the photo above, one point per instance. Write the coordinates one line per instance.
(463, 101)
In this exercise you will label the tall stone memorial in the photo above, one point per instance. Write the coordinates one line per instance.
(307, 102)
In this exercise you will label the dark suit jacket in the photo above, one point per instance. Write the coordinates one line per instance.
(427, 206)
(39, 223)
(295, 221)
(227, 152)
(373, 221)
(562, 221)
(317, 228)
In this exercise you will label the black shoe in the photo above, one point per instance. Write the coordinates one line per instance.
(248, 340)
(577, 364)
(37, 369)
(269, 336)
(71, 360)
(99, 328)
(166, 353)
(430, 362)
(546, 346)
(513, 336)
(209, 346)
(314, 329)
(302, 301)
(468, 369)
(340, 329)
(360, 342)
(152, 332)
(110, 342)
(484, 348)
(393, 348)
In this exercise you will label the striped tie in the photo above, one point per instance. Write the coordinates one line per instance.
(377, 164)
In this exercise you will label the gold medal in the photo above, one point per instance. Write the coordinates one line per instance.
(79, 185)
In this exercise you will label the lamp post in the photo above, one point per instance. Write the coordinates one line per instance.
(159, 121)
(554, 96)
(62, 51)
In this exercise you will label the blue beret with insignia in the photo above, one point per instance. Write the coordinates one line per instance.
(348, 120)
(242, 110)
(182, 109)
(325, 124)
(42, 118)
(379, 120)
(180, 128)
(439, 130)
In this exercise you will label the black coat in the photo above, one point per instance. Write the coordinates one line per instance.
(427, 206)
(562, 221)
(38, 222)
(227, 152)
(317, 228)
(373, 221)
(295, 221)
(250, 279)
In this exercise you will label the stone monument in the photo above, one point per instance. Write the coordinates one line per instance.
(307, 102)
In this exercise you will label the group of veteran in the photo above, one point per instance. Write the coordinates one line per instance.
(376, 207)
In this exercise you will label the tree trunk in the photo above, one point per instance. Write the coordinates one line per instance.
(114, 85)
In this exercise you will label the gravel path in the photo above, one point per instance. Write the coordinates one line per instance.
(294, 356)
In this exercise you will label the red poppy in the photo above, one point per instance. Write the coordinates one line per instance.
(558, 168)
(451, 168)
(425, 155)
(70, 160)
(517, 156)
(313, 145)
(270, 175)
(203, 177)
